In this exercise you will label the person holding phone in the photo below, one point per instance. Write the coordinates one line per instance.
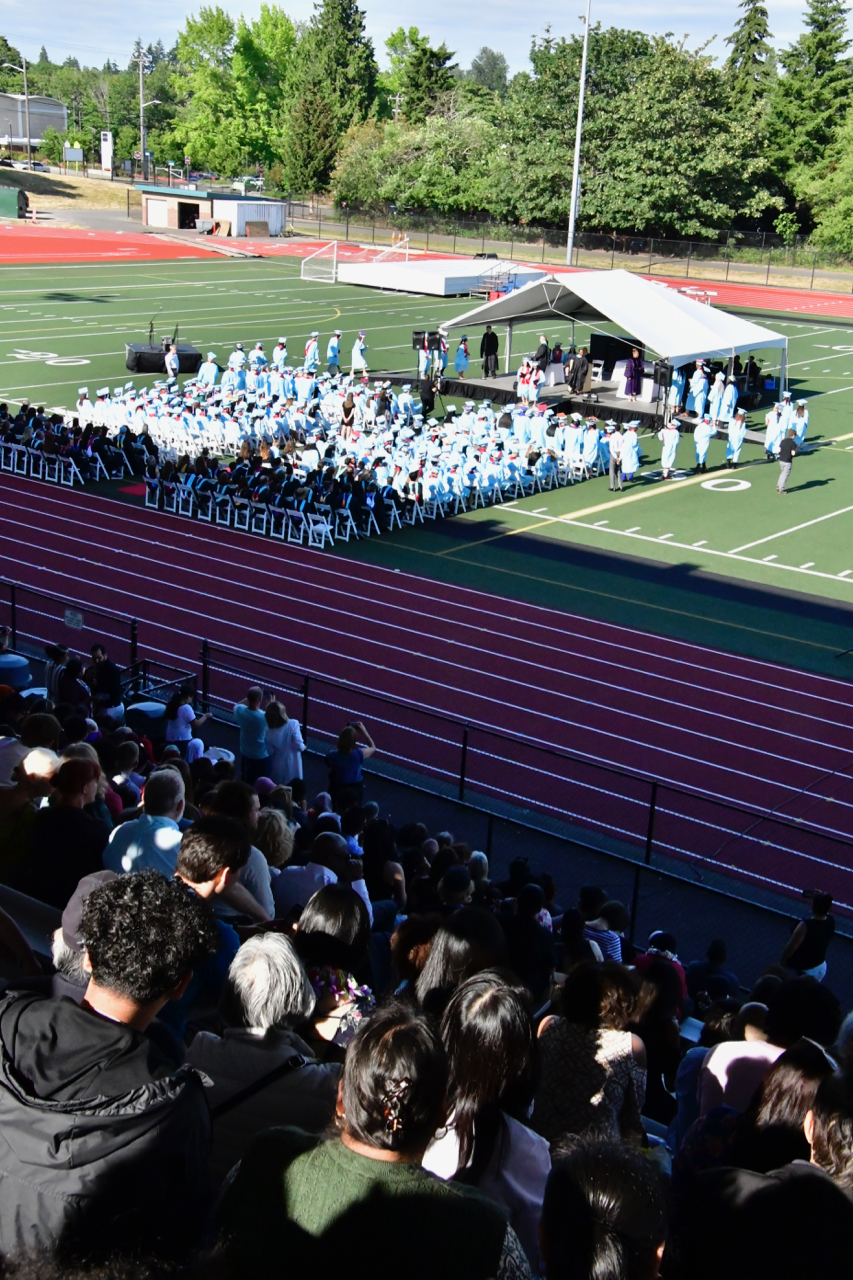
(346, 781)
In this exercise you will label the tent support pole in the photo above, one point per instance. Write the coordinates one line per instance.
(783, 380)
(508, 356)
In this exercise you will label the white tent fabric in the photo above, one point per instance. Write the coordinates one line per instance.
(676, 327)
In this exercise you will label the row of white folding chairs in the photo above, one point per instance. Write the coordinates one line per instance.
(21, 460)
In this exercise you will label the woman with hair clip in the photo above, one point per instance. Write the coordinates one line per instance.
(362, 1194)
(492, 1051)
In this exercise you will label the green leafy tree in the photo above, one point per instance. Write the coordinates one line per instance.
(490, 70)
(10, 81)
(342, 54)
(749, 65)
(399, 47)
(44, 60)
(426, 75)
(828, 191)
(813, 95)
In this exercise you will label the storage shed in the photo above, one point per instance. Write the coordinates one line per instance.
(181, 208)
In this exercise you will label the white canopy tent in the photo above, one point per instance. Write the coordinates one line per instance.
(676, 327)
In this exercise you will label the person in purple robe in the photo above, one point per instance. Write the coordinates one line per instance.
(634, 369)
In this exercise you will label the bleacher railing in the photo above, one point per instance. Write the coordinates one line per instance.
(637, 817)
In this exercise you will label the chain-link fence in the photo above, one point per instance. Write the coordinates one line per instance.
(736, 257)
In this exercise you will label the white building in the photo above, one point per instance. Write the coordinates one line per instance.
(44, 113)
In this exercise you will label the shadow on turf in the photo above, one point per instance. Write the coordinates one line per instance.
(79, 297)
(810, 484)
(602, 570)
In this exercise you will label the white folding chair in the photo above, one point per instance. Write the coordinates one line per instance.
(393, 515)
(170, 496)
(345, 525)
(278, 523)
(242, 514)
(152, 492)
(413, 513)
(186, 500)
(260, 517)
(69, 472)
(36, 458)
(223, 508)
(20, 459)
(319, 530)
(296, 526)
(51, 468)
(204, 505)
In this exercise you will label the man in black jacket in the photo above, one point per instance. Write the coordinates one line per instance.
(104, 1135)
(787, 449)
(489, 353)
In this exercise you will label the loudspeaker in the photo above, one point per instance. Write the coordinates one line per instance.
(418, 336)
(433, 341)
(663, 374)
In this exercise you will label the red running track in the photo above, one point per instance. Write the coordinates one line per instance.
(25, 244)
(719, 727)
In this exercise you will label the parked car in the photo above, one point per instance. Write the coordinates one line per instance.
(247, 183)
(42, 168)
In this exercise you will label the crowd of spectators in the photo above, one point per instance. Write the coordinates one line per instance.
(282, 1035)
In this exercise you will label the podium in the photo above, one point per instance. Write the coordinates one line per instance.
(141, 357)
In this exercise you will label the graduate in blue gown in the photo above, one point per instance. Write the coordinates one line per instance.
(702, 433)
(697, 393)
(669, 437)
(734, 444)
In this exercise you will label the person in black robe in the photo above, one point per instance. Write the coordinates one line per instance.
(580, 368)
(542, 355)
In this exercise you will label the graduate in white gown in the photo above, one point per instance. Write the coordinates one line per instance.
(715, 399)
(698, 392)
(630, 450)
(775, 431)
(676, 389)
(702, 434)
(727, 408)
(800, 422)
(734, 444)
(669, 437)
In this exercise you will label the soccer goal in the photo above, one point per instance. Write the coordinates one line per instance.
(322, 264)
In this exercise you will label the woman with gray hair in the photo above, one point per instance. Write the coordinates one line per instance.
(263, 1074)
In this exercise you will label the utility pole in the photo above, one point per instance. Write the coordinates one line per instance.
(23, 70)
(576, 171)
(140, 60)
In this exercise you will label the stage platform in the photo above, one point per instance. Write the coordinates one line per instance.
(601, 400)
(439, 277)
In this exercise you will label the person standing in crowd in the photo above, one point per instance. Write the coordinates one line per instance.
(800, 422)
(669, 437)
(333, 353)
(580, 368)
(634, 370)
(312, 353)
(106, 680)
(181, 720)
(346, 781)
(489, 353)
(284, 744)
(698, 391)
(172, 362)
(807, 946)
(254, 753)
(774, 431)
(787, 449)
(702, 433)
(614, 441)
(734, 443)
(542, 354)
(630, 450)
(359, 359)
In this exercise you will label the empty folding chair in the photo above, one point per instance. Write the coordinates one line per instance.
(393, 514)
(21, 459)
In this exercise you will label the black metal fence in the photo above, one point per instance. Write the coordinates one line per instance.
(641, 818)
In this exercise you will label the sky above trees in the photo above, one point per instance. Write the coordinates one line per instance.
(81, 30)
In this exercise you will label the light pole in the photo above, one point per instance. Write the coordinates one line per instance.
(23, 71)
(576, 172)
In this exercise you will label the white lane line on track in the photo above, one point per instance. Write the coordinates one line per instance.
(149, 560)
(116, 513)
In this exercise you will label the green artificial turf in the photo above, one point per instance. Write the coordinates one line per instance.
(745, 569)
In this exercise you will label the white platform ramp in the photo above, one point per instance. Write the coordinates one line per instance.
(440, 277)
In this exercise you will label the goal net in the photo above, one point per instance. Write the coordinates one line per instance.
(322, 264)
(397, 252)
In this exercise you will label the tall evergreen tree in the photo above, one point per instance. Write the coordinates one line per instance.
(812, 97)
(337, 48)
(747, 67)
(44, 60)
(427, 74)
(311, 142)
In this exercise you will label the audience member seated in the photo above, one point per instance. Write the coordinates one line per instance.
(65, 842)
(604, 1216)
(106, 1139)
(662, 946)
(607, 928)
(593, 1069)
(532, 952)
(151, 841)
(263, 1074)
(329, 862)
(577, 947)
(794, 1221)
(658, 1028)
(274, 837)
(252, 896)
(314, 1202)
(719, 1027)
(19, 804)
(332, 940)
(709, 979)
(493, 1058)
(807, 946)
(383, 873)
(465, 944)
(37, 730)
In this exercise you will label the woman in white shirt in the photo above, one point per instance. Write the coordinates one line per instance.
(492, 1051)
(180, 718)
(284, 744)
